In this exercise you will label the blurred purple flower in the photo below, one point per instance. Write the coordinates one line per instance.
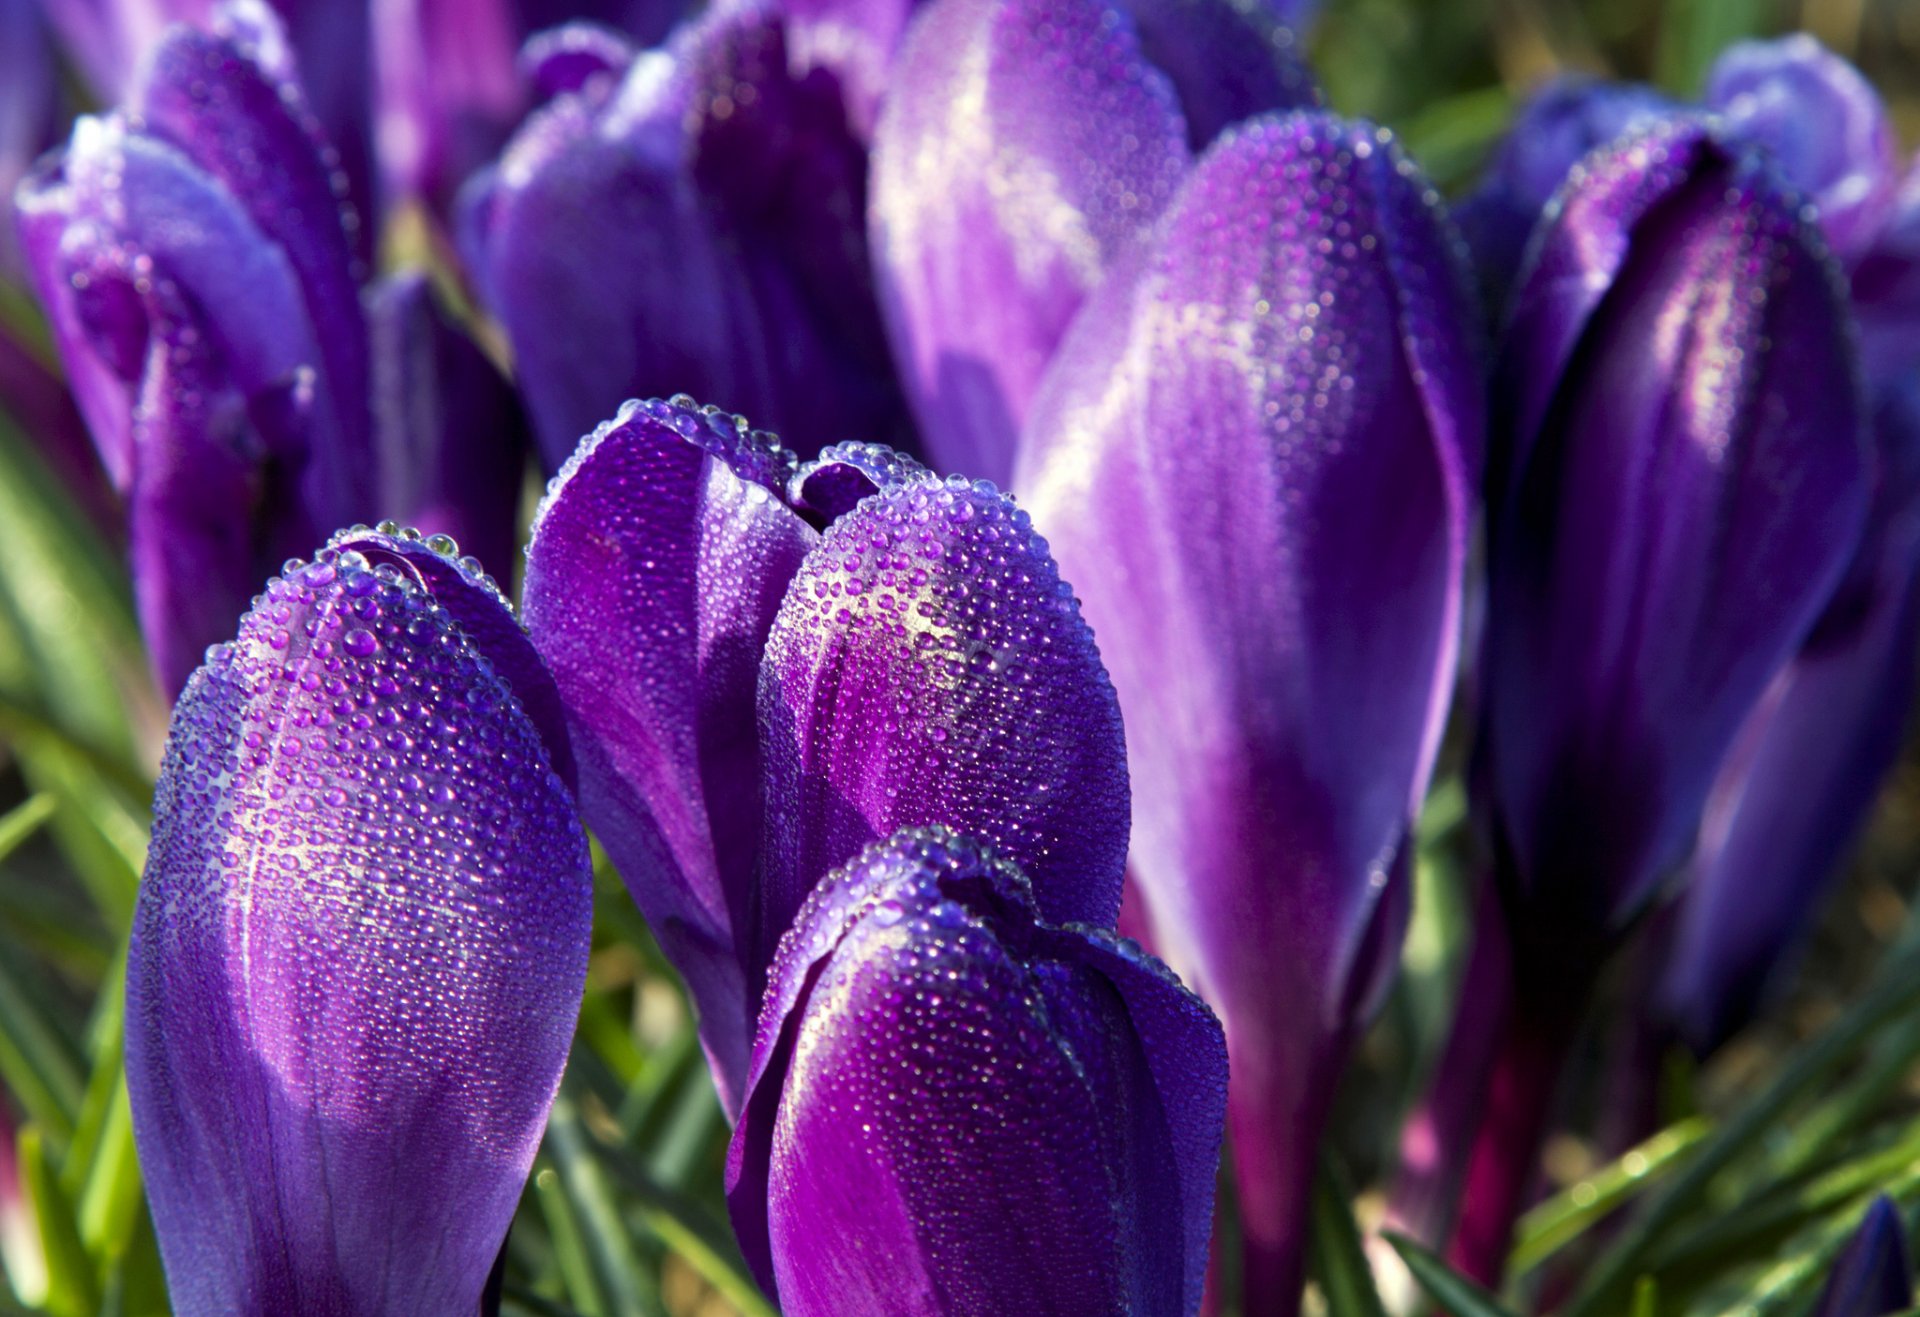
(685, 219)
(1023, 147)
(960, 1107)
(360, 943)
(1255, 455)
(918, 661)
(193, 256)
(1874, 1274)
(1678, 482)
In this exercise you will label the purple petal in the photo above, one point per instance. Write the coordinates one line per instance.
(29, 108)
(958, 1109)
(833, 483)
(1688, 483)
(1226, 61)
(448, 87)
(1886, 290)
(657, 562)
(451, 438)
(226, 100)
(1558, 125)
(1808, 765)
(692, 228)
(1874, 1274)
(357, 956)
(1255, 456)
(107, 41)
(186, 341)
(1824, 125)
(566, 58)
(929, 666)
(1024, 145)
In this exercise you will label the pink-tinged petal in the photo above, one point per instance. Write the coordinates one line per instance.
(1255, 457)
(656, 566)
(357, 955)
(1023, 146)
(930, 666)
(958, 1108)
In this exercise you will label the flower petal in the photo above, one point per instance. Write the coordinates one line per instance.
(357, 956)
(1824, 125)
(960, 1109)
(1226, 61)
(451, 438)
(227, 101)
(661, 234)
(1688, 481)
(929, 666)
(656, 565)
(1023, 145)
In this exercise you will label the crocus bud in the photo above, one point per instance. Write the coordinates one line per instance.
(690, 220)
(1681, 482)
(1255, 457)
(722, 661)
(1802, 778)
(960, 1109)
(1024, 145)
(1874, 1274)
(360, 943)
(205, 308)
(1678, 480)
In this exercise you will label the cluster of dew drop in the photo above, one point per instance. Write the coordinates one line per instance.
(943, 606)
(385, 828)
(929, 1037)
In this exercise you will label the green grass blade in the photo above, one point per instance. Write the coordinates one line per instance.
(1567, 1215)
(1455, 1294)
(1338, 1260)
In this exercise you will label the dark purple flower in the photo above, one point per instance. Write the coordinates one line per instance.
(194, 258)
(1874, 1275)
(360, 943)
(1024, 145)
(959, 1108)
(1255, 455)
(686, 219)
(919, 661)
(1679, 477)
(1802, 778)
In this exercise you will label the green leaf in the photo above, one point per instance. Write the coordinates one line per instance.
(1454, 1293)
(71, 1289)
(37, 1062)
(1338, 1260)
(617, 1274)
(1560, 1220)
(23, 820)
(1895, 992)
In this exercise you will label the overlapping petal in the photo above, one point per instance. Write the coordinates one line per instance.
(1686, 475)
(1024, 145)
(959, 1108)
(655, 569)
(1806, 769)
(661, 233)
(358, 952)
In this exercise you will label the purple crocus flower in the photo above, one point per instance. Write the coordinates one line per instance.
(1023, 148)
(1680, 473)
(360, 943)
(1874, 1274)
(959, 1108)
(1255, 455)
(686, 219)
(725, 662)
(194, 258)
